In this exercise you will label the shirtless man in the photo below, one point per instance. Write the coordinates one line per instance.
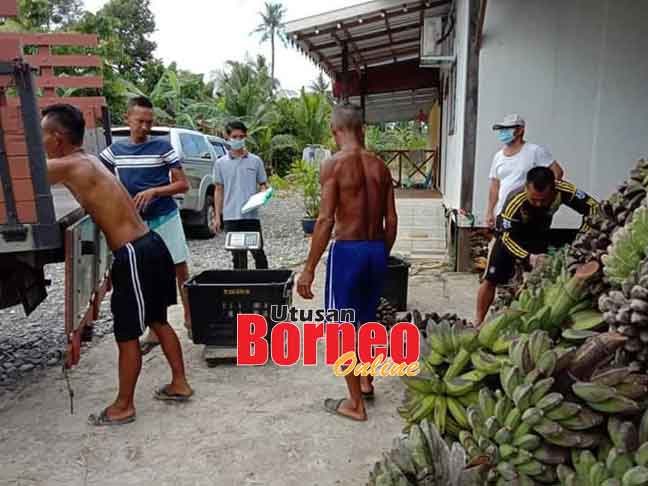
(143, 274)
(358, 198)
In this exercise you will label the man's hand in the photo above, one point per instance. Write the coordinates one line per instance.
(490, 220)
(144, 198)
(304, 284)
(536, 260)
(216, 223)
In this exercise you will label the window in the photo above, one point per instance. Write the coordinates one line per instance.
(194, 146)
(218, 148)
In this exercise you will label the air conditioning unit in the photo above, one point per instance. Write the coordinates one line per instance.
(432, 51)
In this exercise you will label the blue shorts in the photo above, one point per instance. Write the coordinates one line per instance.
(355, 276)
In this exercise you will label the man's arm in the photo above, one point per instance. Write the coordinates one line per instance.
(579, 201)
(57, 171)
(262, 177)
(391, 218)
(493, 197)
(178, 185)
(557, 170)
(512, 226)
(323, 228)
(218, 206)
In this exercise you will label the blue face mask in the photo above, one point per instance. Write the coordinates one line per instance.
(237, 144)
(506, 135)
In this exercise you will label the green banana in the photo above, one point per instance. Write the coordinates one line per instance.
(490, 331)
(474, 375)
(617, 404)
(528, 442)
(597, 474)
(593, 392)
(458, 412)
(424, 409)
(522, 396)
(513, 419)
(549, 402)
(531, 468)
(532, 416)
(424, 383)
(485, 362)
(547, 363)
(511, 377)
(582, 419)
(461, 359)
(486, 402)
(611, 377)
(641, 455)
(618, 463)
(503, 436)
(440, 414)
(541, 388)
(457, 387)
(502, 407)
(636, 476)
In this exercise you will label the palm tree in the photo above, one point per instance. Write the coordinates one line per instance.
(320, 85)
(272, 26)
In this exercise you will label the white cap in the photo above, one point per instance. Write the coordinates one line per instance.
(510, 121)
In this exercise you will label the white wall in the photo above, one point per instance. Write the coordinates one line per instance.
(577, 70)
(452, 145)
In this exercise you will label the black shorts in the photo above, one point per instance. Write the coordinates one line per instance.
(501, 263)
(143, 279)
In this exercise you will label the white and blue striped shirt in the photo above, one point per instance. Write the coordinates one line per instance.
(144, 166)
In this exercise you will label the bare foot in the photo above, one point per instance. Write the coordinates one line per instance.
(366, 384)
(345, 408)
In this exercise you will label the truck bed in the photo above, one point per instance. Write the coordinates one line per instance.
(67, 208)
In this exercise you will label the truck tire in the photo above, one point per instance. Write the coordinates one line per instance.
(205, 230)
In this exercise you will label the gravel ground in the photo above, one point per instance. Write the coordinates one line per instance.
(28, 345)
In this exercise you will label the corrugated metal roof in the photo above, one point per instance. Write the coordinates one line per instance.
(377, 32)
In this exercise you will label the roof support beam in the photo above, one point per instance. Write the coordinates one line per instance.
(386, 45)
(378, 17)
(366, 37)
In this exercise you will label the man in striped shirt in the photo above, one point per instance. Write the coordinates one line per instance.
(523, 228)
(151, 172)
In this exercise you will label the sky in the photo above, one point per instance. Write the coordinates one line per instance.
(200, 35)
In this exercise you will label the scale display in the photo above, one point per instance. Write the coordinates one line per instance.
(246, 240)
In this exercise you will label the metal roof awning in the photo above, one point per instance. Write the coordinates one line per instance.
(373, 51)
(375, 33)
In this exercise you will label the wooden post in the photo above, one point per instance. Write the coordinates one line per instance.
(470, 131)
(363, 95)
(345, 71)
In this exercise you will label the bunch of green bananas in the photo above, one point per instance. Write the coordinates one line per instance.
(622, 462)
(564, 303)
(423, 458)
(455, 361)
(527, 429)
(614, 391)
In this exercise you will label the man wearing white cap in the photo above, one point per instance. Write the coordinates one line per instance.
(512, 163)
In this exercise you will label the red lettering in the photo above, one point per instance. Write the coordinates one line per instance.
(251, 346)
(285, 344)
(372, 334)
(404, 343)
(333, 331)
(312, 333)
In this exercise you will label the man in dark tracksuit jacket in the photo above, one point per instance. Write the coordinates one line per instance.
(523, 228)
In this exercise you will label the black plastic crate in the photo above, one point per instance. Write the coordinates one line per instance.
(396, 283)
(217, 296)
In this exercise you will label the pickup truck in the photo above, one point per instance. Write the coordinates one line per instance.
(198, 153)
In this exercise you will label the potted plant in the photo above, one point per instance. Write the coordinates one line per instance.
(305, 177)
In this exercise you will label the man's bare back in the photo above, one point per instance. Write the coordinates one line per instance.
(364, 194)
(101, 195)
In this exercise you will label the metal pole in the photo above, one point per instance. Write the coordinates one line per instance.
(363, 95)
(345, 71)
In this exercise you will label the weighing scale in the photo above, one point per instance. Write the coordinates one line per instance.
(243, 240)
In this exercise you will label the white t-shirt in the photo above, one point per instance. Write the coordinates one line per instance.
(512, 171)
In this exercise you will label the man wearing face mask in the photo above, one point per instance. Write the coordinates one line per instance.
(238, 176)
(511, 164)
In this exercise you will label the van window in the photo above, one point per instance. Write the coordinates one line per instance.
(194, 146)
(218, 148)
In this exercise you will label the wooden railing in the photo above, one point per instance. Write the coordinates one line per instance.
(420, 168)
